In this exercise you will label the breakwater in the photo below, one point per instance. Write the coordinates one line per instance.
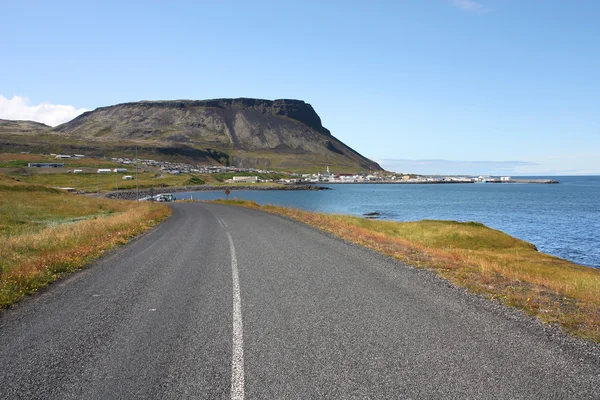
(439, 182)
(145, 192)
(543, 181)
(399, 182)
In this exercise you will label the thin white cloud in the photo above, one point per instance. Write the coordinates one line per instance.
(18, 108)
(470, 5)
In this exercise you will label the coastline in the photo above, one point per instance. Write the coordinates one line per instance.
(132, 194)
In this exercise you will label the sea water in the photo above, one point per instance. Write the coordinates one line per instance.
(560, 219)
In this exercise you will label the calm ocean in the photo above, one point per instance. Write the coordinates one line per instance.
(563, 219)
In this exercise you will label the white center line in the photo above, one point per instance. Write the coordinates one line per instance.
(237, 357)
(222, 223)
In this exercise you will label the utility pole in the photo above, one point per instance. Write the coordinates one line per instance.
(117, 179)
(137, 181)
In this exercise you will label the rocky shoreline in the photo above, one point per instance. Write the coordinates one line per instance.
(132, 194)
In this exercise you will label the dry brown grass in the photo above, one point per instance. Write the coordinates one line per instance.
(481, 259)
(29, 208)
(22, 157)
(47, 233)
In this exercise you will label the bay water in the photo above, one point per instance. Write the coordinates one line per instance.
(560, 219)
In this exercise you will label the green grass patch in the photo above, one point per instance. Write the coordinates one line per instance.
(195, 180)
(14, 163)
(94, 182)
(28, 208)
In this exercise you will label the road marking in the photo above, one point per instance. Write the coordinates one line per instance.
(237, 357)
(222, 223)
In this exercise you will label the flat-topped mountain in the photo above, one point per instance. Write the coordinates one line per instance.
(285, 134)
(185, 115)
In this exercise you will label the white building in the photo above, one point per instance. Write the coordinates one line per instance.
(246, 179)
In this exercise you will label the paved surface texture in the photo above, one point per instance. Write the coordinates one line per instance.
(316, 318)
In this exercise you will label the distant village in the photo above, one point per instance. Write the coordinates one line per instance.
(326, 176)
(320, 177)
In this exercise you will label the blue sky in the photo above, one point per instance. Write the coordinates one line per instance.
(427, 86)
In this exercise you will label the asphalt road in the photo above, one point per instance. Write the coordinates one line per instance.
(222, 302)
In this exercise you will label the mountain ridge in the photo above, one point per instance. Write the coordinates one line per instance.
(22, 125)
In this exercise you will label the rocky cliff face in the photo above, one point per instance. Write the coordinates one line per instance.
(244, 123)
(252, 132)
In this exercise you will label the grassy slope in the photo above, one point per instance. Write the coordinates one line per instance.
(481, 259)
(15, 165)
(110, 147)
(301, 163)
(45, 233)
